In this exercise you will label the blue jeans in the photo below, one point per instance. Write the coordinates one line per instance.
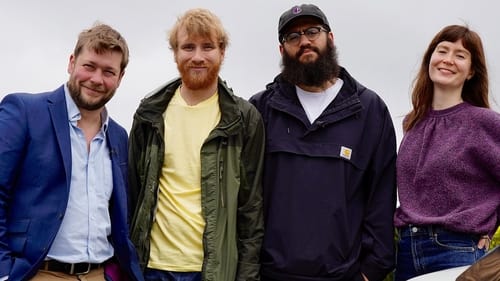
(425, 249)
(151, 274)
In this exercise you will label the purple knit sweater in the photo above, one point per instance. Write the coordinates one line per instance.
(448, 171)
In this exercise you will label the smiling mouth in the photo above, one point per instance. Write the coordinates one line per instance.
(94, 90)
(446, 70)
(198, 69)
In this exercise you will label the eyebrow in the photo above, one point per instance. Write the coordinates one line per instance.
(461, 50)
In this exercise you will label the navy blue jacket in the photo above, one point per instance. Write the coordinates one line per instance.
(329, 187)
(35, 175)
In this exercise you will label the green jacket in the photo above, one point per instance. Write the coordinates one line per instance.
(231, 191)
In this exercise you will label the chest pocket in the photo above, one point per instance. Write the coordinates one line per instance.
(322, 143)
(342, 152)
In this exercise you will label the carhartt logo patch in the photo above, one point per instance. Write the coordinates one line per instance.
(345, 152)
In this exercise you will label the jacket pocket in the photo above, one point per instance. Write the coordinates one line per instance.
(17, 235)
(346, 152)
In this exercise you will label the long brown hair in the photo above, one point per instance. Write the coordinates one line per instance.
(474, 91)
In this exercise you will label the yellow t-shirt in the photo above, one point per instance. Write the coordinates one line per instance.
(176, 235)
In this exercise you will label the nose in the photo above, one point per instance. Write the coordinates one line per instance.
(97, 77)
(198, 55)
(448, 59)
(304, 40)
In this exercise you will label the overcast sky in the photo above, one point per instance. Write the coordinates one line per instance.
(380, 42)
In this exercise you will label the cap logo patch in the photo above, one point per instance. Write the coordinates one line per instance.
(296, 10)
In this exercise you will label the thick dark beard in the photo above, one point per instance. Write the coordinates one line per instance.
(76, 95)
(316, 73)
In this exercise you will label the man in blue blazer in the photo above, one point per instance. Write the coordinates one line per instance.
(63, 171)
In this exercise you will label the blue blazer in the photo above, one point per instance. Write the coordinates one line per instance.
(35, 174)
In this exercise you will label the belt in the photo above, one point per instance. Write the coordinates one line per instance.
(421, 230)
(431, 230)
(70, 268)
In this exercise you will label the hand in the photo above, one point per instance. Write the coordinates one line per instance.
(364, 277)
(484, 242)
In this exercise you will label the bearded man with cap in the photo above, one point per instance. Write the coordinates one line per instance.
(329, 172)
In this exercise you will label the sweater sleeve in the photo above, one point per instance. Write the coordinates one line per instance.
(489, 153)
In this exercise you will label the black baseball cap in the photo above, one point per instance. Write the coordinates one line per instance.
(300, 11)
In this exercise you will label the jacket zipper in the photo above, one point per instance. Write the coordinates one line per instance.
(222, 189)
(221, 171)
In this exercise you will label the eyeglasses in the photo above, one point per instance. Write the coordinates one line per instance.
(312, 33)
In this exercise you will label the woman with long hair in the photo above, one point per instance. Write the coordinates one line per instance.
(448, 166)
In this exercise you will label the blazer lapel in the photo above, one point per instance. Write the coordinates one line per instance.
(59, 116)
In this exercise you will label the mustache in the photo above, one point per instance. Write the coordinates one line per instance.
(194, 64)
(304, 48)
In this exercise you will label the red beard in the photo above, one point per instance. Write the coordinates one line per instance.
(198, 80)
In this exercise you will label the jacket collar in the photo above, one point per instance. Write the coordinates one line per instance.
(350, 89)
(346, 103)
(155, 103)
